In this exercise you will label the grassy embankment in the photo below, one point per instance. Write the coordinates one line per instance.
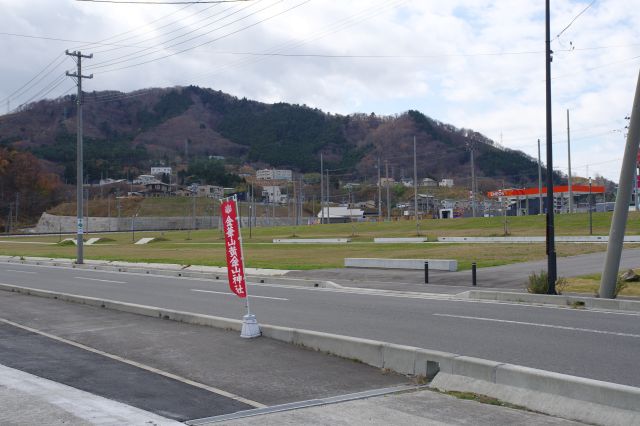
(205, 246)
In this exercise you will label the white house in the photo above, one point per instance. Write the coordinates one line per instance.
(341, 214)
(274, 195)
(447, 183)
(145, 179)
(160, 170)
(429, 182)
(274, 174)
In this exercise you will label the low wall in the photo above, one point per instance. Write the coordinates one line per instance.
(312, 240)
(400, 240)
(559, 239)
(54, 224)
(436, 264)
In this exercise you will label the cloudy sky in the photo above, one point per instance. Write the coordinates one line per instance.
(475, 64)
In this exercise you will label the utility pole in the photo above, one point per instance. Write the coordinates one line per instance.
(328, 199)
(79, 165)
(621, 211)
(386, 166)
(472, 146)
(379, 193)
(540, 179)
(551, 249)
(415, 185)
(321, 190)
(569, 158)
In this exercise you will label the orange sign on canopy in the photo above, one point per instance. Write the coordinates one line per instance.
(559, 189)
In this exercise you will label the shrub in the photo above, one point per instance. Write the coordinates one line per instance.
(621, 284)
(539, 283)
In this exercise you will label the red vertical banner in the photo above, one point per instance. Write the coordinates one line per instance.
(235, 263)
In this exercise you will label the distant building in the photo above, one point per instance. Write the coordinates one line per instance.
(429, 182)
(386, 181)
(341, 214)
(447, 183)
(109, 181)
(145, 179)
(407, 182)
(211, 191)
(156, 189)
(274, 195)
(159, 171)
(274, 174)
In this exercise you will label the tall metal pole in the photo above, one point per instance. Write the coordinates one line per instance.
(621, 211)
(569, 158)
(328, 199)
(590, 209)
(473, 180)
(321, 189)
(386, 165)
(540, 179)
(415, 185)
(551, 249)
(79, 160)
(379, 194)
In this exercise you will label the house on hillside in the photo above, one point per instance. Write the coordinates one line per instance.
(446, 183)
(273, 194)
(274, 174)
(160, 170)
(210, 191)
(145, 179)
(156, 189)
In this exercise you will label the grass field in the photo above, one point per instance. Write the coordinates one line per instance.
(205, 246)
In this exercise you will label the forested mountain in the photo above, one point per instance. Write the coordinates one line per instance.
(126, 133)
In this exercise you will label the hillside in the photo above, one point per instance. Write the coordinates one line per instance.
(127, 133)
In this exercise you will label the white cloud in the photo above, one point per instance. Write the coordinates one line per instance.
(492, 94)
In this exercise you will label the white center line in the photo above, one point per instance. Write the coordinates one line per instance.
(231, 294)
(22, 272)
(104, 281)
(560, 327)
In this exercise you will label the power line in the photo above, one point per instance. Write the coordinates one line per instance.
(574, 20)
(163, 2)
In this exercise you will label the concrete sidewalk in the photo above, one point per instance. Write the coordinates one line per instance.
(110, 363)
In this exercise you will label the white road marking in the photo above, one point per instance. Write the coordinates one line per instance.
(21, 272)
(560, 327)
(139, 365)
(104, 281)
(231, 294)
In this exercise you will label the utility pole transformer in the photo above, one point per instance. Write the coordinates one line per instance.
(79, 165)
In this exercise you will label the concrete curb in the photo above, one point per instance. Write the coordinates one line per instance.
(148, 268)
(311, 240)
(400, 240)
(562, 300)
(622, 400)
(524, 240)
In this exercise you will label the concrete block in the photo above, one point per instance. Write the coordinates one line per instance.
(594, 391)
(282, 334)
(400, 240)
(144, 241)
(435, 264)
(399, 358)
(312, 241)
(366, 351)
(476, 368)
(428, 363)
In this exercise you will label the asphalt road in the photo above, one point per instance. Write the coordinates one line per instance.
(598, 345)
(513, 276)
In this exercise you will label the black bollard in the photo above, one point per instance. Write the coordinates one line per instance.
(473, 274)
(426, 272)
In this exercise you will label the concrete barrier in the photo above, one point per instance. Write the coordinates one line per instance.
(435, 264)
(618, 404)
(560, 300)
(311, 240)
(524, 240)
(142, 241)
(400, 240)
